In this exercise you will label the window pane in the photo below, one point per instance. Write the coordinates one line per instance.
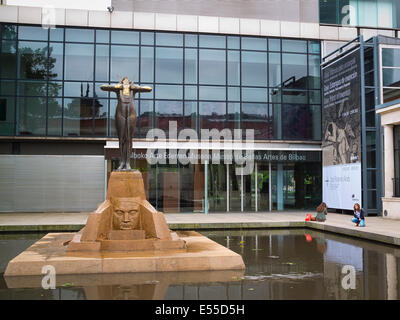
(390, 95)
(190, 120)
(254, 68)
(100, 117)
(254, 43)
(169, 65)
(145, 117)
(233, 68)
(315, 96)
(391, 77)
(367, 13)
(79, 62)
(190, 40)
(113, 108)
(125, 37)
(212, 68)
(212, 115)
(56, 61)
(57, 34)
(390, 57)
(55, 88)
(212, 93)
(8, 31)
(79, 35)
(7, 88)
(169, 39)
(294, 45)
(233, 117)
(166, 111)
(371, 179)
(101, 93)
(78, 117)
(388, 13)
(206, 41)
(168, 92)
(233, 43)
(31, 116)
(8, 59)
(274, 44)
(191, 66)
(254, 94)
(314, 46)
(301, 122)
(7, 108)
(32, 33)
(234, 93)
(147, 64)
(147, 38)
(255, 116)
(294, 69)
(32, 58)
(102, 63)
(54, 119)
(274, 69)
(124, 62)
(314, 80)
(103, 36)
(32, 88)
(328, 11)
(190, 92)
(294, 96)
(276, 117)
(78, 89)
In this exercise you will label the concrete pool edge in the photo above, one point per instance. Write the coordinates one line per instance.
(378, 229)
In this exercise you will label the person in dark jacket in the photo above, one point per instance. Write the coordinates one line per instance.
(359, 218)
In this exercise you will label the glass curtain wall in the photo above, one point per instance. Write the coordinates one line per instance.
(363, 13)
(50, 82)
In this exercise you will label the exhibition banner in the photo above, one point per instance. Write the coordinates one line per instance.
(341, 128)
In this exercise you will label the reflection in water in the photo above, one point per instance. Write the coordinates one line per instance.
(280, 264)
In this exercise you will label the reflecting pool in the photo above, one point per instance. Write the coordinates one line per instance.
(280, 264)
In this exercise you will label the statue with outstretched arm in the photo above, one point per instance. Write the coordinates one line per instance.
(125, 116)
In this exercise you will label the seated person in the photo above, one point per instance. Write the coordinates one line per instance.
(359, 218)
(322, 211)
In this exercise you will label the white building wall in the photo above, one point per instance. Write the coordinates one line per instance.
(66, 4)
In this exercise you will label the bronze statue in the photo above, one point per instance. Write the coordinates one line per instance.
(125, 116)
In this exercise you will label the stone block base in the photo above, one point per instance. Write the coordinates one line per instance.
(392, 208)
(201, 254)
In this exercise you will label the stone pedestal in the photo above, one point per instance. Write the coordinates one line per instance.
(146, 245)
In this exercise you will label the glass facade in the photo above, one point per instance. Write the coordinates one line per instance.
(50, 82)
(217, 188)
(363, 13)
(390, 74)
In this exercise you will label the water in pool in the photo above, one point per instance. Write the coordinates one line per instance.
(280, 264)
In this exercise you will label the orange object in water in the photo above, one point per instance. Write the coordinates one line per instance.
(308, 217)
(308, 237)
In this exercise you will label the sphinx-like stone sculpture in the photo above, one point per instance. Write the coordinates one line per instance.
(125, 116)
(125, 221)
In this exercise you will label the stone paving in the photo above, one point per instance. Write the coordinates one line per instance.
(377, 228)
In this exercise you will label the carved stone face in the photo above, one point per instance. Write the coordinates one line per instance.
(125, 214)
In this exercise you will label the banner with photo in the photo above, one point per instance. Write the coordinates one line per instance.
(341, 132)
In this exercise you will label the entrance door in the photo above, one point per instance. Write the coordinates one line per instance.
(217, 191)
(263, 187)
(283, 186)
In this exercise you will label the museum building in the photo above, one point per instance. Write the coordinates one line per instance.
(211, 67)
